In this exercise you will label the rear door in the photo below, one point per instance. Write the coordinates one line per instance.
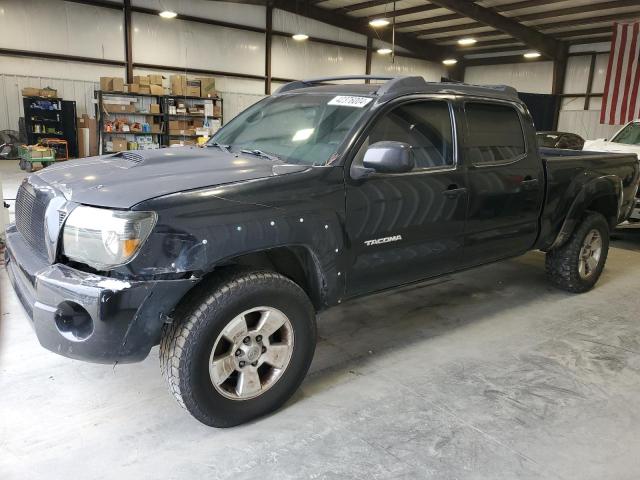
(505, 181)
(409, 226)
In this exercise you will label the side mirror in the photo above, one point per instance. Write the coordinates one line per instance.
(389, 157)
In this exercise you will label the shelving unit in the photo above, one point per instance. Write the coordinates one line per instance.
(47, 117)
(140, 114)
(142, 102)
(190, 102)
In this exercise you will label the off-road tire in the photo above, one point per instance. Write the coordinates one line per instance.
(561, 264)
(187, 342)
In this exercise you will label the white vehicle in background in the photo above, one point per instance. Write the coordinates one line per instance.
(626, 140)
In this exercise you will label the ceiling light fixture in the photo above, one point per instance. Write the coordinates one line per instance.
(379, 22)
(532, 55)
(168, 14)
(450, 61)
(467, 41)
(384, 51)
(300, 37)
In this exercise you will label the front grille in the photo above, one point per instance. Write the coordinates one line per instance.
(30, 219)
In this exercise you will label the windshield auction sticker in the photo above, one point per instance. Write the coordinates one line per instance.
(350, 101)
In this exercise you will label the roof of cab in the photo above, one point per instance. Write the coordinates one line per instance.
(395, 86)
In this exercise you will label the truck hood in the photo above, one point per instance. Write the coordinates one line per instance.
(602, 145)
(124, 179)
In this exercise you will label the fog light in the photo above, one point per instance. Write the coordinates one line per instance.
(73, 321)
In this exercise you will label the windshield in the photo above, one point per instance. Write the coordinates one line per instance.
(629, 134)
(302, 129)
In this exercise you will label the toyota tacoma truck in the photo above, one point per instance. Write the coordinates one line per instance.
(320, 193)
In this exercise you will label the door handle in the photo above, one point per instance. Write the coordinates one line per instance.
(529, 183)
(454, 191)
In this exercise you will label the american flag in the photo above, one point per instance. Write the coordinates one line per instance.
(620, 103)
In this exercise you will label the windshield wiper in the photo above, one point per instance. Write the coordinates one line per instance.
(262, 154)
(221, 146)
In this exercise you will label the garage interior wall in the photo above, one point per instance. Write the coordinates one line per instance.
(69, 28)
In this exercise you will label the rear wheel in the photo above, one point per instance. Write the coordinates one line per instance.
(242, 348)
(577, 265)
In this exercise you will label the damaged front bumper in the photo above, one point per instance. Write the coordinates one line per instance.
(86, 316)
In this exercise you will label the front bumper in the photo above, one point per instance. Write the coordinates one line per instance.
(85, 316)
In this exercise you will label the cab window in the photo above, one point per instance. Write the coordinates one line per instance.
(494, 133)
(425, 125)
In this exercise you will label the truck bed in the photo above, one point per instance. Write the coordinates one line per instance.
(568, 173)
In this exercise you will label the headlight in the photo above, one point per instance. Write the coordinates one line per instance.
(103, 238)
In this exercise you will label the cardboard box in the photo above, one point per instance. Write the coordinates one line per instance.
(156, 90)
(155, 79)
(181, 143)
(208, 87)
(154, 108)
(117, 84)
(30, 92)
(92, 126)
(141, 79)
(193, 88)
(106, 83)
(119, 144)
(186, 132)
(178, 84)
(118, 108)
(217, 111)
(144, 90)
(48, 93)
(134, 88)
(112, 84)
(179, 124)
(156, 128)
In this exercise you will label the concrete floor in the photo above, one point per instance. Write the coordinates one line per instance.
(490, 374)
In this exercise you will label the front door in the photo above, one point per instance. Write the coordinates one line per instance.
(410, 226)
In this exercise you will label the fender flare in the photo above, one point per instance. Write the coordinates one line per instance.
(598, 187)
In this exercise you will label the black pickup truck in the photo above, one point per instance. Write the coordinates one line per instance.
(320, 193)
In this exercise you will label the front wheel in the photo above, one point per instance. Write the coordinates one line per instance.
(239, 348)
(576, 266)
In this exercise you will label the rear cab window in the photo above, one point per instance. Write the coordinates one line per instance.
(494, 133)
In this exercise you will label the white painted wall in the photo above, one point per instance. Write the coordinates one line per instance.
(297, 60)
(61, 27)
(292, 23)
(534, 77)
(178, 43)
(382, 64)
(250, 15)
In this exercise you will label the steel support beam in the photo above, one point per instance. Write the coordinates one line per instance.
(267, 52)
(533, 38)
(367, 68)
(128, 42)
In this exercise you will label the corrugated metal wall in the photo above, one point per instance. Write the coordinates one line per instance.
(81, 91)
